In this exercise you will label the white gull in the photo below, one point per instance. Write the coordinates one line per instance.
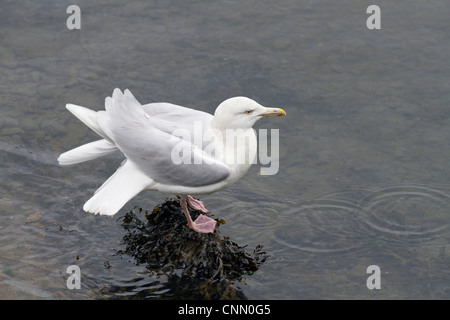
(145, 135)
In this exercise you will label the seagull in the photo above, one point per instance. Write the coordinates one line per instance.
(160, 154)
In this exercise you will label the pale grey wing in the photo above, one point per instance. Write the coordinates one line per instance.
(153, 150)
(171, 117)
(174, 113)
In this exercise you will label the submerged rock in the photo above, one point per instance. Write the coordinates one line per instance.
(206, 263)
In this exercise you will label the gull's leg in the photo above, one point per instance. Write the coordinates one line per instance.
(196, 204)
(183, 205)
(202, 224)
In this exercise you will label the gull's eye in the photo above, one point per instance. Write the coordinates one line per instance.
(249, 111)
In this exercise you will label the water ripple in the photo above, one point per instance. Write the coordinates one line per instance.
(340, 222)
(321, 225)
(416, 211)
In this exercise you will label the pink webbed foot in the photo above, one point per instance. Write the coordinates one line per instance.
(196, 204)
(202, 224)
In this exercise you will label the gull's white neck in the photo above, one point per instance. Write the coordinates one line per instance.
(236, 148)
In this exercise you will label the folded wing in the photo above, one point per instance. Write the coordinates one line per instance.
(152, 149)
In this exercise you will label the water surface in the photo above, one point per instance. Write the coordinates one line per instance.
(364, 174)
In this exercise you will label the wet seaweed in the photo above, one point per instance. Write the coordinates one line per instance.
(163, 242)
(166, 245)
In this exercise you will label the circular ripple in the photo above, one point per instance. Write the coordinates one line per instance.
(413, 211)
(321, 225)
(254, 218)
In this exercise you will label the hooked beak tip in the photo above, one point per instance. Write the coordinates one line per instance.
(272, 112)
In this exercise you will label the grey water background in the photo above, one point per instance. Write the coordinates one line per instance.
(364, 150)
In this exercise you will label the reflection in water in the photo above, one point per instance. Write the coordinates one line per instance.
(194, 265)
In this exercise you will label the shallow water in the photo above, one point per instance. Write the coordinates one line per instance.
(364, 174)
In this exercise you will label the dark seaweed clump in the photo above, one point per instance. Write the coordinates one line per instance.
(168, 247)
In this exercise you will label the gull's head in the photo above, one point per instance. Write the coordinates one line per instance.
(242, 113)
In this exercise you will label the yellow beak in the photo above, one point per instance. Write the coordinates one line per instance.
(272, 112)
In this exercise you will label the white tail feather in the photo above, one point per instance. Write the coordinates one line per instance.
(123, 185)
(88, 117)
(91, 150)
(87, 152)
